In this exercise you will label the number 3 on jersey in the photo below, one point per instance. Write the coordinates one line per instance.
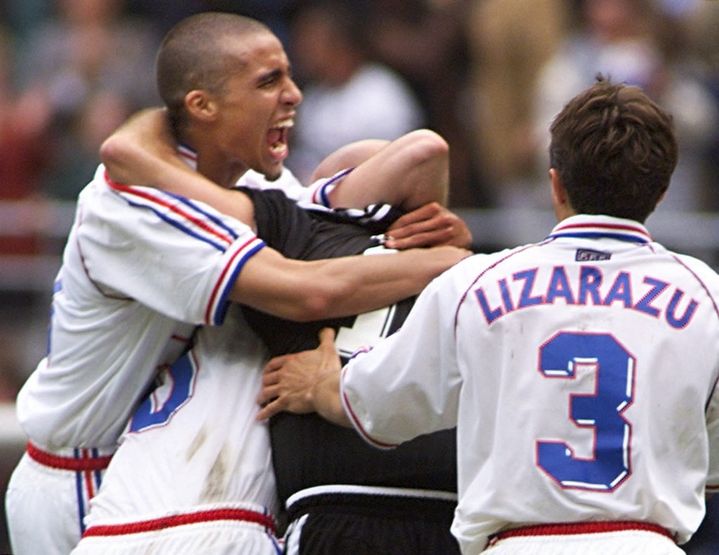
(613, 365)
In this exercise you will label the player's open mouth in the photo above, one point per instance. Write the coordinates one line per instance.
(277, 139)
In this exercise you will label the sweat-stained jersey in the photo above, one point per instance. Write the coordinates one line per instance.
(206, 458)
(580, 372)
(193, 472)
(307, 450)
(141, 270)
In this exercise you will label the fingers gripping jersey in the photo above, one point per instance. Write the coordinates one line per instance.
(140, 270)
(587, 364)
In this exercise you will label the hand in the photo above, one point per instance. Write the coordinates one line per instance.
(288, 381)
(428, 226)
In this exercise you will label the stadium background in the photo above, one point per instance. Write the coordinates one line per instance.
(475, 70)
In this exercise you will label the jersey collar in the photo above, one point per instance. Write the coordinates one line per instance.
(597, 227)
(188, 155)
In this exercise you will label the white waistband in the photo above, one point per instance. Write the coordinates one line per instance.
(370, 490)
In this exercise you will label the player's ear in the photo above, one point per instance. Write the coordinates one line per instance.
(200, 105)
(560, 199)
(559, 193)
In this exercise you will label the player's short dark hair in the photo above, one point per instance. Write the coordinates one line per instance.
(193, 56)
(614, 150)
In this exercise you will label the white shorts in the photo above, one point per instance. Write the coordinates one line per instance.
(47, 501)
(618, 542)
(228, 531)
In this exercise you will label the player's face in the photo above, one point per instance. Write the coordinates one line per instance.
(257, 108)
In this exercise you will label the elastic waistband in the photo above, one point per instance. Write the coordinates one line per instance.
(152, 525)
(82, 459)
(569, 528)
(352, 489)
(378, 501)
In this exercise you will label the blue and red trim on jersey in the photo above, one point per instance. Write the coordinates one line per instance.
(356, 421)
(193, 220)
(321, 194)
(179, 212)
(218, 305)
(595, 229)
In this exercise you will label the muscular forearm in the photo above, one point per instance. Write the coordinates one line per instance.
(409, 172)
(306, 291)
(370, 282)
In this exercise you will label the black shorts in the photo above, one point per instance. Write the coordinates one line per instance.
(364, 524)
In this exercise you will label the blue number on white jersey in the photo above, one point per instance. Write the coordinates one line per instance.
(166, 399)
(602, 410)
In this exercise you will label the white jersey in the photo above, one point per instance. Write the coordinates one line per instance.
(316, 193)
(141, 268)
(196, 439)
(580, 372)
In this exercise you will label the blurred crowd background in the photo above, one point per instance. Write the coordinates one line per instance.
(487, 74)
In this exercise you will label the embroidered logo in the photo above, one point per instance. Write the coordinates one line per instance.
(588, 255)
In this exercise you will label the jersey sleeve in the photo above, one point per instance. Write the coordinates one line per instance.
(409, 383)
(319, 191)
(316, 193)
(288, 184)
(708, 278)
(179, 257)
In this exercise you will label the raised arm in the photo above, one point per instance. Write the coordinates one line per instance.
(408, 172)
(411, 172)
(143, 152)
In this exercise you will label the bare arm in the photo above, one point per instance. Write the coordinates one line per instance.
(412, 173)
(305, 382)
(407, 172)
(142, 152)
(348, 156)
(306, 291)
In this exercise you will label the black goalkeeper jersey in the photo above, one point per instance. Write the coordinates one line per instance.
(307, 450)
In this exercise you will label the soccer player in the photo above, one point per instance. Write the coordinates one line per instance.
(143, 268)
(580, 371)
(206, 458)
(400, 502)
